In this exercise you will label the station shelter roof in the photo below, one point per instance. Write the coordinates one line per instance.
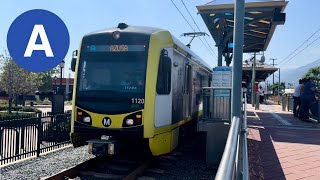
(263, 71)
(261, 19)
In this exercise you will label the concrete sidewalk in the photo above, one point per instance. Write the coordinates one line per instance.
(47, 108)
(281, 146)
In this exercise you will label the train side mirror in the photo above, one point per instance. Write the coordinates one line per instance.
(166, 62)
(74, 60)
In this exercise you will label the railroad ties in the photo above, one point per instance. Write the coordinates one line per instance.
(117, 168)
(133, 166)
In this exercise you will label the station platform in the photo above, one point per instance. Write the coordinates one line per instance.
(280, 146)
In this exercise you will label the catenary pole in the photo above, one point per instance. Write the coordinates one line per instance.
(253, 81)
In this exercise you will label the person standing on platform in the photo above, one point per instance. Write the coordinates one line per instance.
(307, 97)
(261, 95)
(296, 99)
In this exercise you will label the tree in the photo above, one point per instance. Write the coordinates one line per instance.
(290, 85)
(15, 80)
(46, 78)
(275, 87)
(315, 73)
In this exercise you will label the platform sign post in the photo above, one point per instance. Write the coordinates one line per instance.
(221, 94)
(222, 77)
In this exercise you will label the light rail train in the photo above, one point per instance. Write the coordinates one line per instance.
(135, 85)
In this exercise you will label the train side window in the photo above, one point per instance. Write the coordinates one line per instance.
(164, 74)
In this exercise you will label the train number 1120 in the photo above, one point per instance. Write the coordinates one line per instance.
(137, 101)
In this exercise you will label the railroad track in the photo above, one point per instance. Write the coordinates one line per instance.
(127, 166)
(104, 168)
(114, 168)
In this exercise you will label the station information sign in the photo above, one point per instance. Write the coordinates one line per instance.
(222, 77)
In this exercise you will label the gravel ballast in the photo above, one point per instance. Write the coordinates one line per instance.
(45, 165)
(189, 163)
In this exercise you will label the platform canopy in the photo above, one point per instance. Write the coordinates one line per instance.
(261, 19)
(263, 71)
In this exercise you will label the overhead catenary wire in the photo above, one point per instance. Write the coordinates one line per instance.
(299, 47)
(198, 27)
(301, 51)
(190, 25)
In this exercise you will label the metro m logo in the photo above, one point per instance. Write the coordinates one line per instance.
(106, 121)
(32, 46)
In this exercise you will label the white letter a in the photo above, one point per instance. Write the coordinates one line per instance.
(45, 46)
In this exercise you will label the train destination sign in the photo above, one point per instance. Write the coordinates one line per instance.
(114, 48)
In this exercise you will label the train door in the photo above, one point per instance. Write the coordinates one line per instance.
(177, 87)
(163, 101)
(187, 90)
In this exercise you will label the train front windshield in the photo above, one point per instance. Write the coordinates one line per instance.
(112, 82)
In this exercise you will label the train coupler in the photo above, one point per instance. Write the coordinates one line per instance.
(99, 147)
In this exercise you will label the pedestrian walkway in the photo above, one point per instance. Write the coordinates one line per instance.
(281, 146)
(48, 108)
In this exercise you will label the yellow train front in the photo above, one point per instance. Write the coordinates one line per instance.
(135, 85)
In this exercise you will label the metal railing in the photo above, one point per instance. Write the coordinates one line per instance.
(217, 103)
(234, 163)
(26, 137)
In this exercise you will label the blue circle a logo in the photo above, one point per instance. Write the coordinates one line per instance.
(38, 40)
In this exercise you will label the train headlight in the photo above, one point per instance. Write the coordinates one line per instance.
(129, 122)
(86, 119)
(134, 119)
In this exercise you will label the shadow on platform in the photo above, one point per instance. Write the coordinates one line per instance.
(264, 162)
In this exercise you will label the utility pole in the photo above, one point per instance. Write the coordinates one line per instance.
(266, 94)
(253, 81)
(279, 88)
(273, 59)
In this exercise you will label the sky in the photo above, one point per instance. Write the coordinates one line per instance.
(85, 16)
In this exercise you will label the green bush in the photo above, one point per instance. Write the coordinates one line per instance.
(3, 102)
(46, 101)
(7, 116)
(68, 102)
(19, 108)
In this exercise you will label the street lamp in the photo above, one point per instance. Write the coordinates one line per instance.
(61, 67)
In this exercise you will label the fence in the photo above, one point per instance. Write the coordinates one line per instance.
(217, 103)
(27, 137)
